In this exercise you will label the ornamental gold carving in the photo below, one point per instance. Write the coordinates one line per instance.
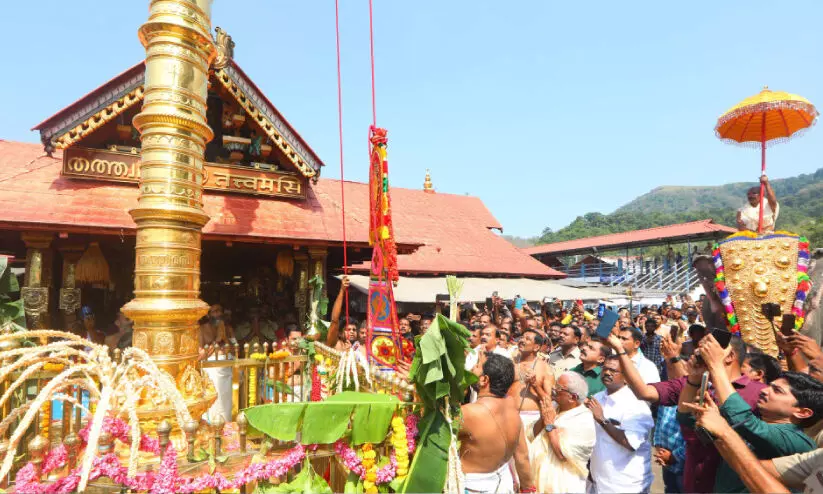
(760, 271)
(35, 299)
(163, 343)
(69, 299)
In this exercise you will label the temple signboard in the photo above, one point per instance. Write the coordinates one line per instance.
(112, 166)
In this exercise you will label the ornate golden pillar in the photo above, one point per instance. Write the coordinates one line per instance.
(69, 301)
(169, 214)
(35, 291)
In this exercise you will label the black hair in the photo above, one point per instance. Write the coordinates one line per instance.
(538, 338)
(346, 321)
(605, 349)
(766, 364)
(697, 327)
(636, 334)
(575, 330)
(500, 371)
(739, 348)
(808, 392)
(651, 320)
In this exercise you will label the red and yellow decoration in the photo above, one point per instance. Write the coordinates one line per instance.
(384, 340)
(369, 462)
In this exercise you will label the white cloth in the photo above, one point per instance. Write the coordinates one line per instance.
(750, 216)
(613, 467)
(648, 371)
(500, 481)
(221, 377)
(529, 417)
(576, 431)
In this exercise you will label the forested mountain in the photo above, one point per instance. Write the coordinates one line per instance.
(801, 209)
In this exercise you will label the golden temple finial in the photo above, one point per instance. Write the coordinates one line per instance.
(225, 48)
(427, 183)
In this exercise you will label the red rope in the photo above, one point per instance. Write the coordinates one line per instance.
(371, 46)
(340, 129)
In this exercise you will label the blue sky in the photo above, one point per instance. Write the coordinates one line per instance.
(546, 110)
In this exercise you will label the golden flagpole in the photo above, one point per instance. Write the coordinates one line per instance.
(169, 215)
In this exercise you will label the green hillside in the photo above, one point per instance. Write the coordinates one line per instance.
(801, 209)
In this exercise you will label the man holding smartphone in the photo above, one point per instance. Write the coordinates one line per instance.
(702, 460)
(785, 406)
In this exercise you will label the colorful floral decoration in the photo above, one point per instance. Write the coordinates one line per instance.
(369, 463)
(316, 385)
(403, 440)
(252, 386)
(382, 322)
(166, 480)
(804, 284)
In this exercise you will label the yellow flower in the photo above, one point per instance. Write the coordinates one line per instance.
(371, 455)
(318, 358)
(397, 422)
(328, 362)
(371, 476)
(258, 356)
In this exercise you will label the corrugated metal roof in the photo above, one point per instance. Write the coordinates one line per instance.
(695, 230)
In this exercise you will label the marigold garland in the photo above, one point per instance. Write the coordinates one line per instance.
(383, 475)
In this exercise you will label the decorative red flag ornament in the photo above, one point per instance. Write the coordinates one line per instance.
(384, 339)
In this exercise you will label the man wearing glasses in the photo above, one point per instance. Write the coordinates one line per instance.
(563, 439)
(621, 459)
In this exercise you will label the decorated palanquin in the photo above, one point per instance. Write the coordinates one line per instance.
(752, 270)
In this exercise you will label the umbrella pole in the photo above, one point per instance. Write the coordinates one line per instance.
(762, 171)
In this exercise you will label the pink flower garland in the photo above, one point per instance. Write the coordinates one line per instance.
(165, 481)
(387, 472)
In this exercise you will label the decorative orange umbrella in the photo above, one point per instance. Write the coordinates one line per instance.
(767, 117)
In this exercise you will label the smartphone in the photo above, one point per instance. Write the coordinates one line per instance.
(787, 325)
(489, 303)
(674, 330)
(607, 322)
(770, 310)
(704, 385)
(722, 336)
(442, 297)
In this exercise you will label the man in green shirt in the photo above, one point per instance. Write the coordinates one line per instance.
(788, 404)
(592, 355)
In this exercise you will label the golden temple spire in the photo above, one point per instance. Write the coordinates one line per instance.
(427, 183)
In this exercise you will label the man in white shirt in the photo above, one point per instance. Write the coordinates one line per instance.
(488, 343)
(621, 459)
(748, 216)
(567, 353)
(630, 339)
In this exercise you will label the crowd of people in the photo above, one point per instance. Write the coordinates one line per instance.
(559, 409)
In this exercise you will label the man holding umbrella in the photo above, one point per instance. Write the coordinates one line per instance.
(749, 215)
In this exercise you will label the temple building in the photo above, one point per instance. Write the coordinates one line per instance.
(274, 223)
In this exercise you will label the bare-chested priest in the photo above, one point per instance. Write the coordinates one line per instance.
(534, 378)
(492, 433)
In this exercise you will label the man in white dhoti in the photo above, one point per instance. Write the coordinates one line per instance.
(492, 433)
(562, 440)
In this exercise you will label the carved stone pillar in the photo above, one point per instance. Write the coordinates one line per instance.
(69, 301)
(169, 215)
(301, 291)
(35, 291)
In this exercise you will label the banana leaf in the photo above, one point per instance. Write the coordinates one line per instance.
(437, 371)
(325, 422)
